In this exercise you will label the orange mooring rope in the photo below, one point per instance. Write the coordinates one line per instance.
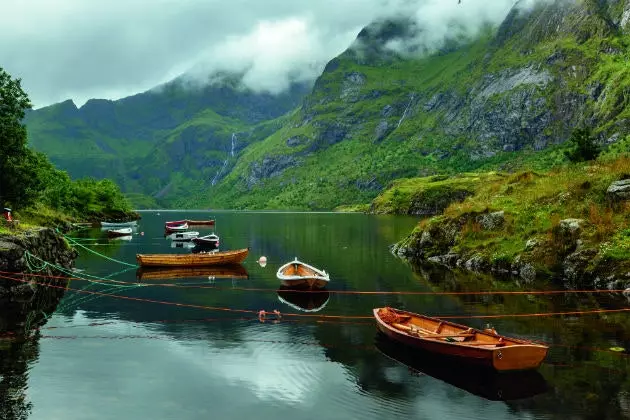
(226, 309)
(339, 292)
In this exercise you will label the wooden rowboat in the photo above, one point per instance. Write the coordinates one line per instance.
(193, 260)
(191, 223)
(177, 228)
(208, 241)
(118, 224)
(119, 232)
(221, 271)
(475, 346)
(297, 274)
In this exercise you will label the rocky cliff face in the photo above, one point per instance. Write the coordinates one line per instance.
(380, 114)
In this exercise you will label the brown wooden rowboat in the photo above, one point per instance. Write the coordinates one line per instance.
(475, 346)
(166, 273)
(193, 260)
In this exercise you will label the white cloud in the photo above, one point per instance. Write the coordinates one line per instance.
(113, 48)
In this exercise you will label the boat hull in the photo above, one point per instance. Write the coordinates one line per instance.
(118, 225)
(192, 260)
(305, 283)
(520, 356)
(191, 223)
(119, 232)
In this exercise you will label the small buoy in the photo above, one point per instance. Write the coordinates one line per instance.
(262, 261)
(141, 233)
(617, 349)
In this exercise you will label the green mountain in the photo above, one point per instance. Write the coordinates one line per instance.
(508, 98)
(157, 143)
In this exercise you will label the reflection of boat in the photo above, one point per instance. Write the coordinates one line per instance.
(299, 274)
(305, 301)
(122, 238)
(183, 236)
(475, 346)
(201, 259)
(182, 244)
(220, 271)
(119, 232)
(118, 224)
(190, 222)
(208, 241)
(480, 381)
(177, 228)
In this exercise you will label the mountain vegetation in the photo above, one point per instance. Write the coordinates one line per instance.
(31, 185)
(507, 99)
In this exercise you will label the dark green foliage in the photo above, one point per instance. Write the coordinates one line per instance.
(15, 182)
(28, 178)
(584, 146)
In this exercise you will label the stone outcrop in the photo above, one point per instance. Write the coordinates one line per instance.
(43, 243)
(619, 191)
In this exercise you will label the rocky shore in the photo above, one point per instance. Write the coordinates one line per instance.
(43, 243)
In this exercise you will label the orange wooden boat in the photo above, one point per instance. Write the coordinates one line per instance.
(193, 260)
(166, 273)
(475, 346)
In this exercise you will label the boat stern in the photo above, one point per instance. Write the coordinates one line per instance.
(519, 357)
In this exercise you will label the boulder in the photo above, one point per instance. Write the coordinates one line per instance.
(618, 191)
(491, 221)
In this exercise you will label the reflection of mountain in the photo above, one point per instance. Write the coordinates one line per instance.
(305, 301)
(159, 273)
(481, 382)
(19, 342)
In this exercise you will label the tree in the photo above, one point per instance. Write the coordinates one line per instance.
(584, 147)
(16, 186)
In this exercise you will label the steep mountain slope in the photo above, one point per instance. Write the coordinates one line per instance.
(376, 115)
(158, 142)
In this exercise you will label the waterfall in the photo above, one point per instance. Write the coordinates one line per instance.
(406, 109)
(225, 162)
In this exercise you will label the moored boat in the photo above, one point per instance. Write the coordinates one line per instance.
(484, 347)
(192, 260)
(208, 241)
(191, 222)
(177, 228)
(118, 224)
(183, 236)
(165, 273)
(301, 275)
(119, 232)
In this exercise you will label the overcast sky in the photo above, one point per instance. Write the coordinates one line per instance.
(81, 49)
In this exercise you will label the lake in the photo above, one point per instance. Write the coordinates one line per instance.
(129, 346)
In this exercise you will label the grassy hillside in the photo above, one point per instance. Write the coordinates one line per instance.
(161, 144)
(566, 221)
(493, 102)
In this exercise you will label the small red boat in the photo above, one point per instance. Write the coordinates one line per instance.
(190, 223)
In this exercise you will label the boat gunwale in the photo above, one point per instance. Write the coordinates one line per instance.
(323, 275)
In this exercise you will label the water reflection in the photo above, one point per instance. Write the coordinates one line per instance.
(482, 382)
(169, 273)
(303, 301)
(22, 312)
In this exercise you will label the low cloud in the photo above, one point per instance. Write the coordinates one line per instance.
(82, 49)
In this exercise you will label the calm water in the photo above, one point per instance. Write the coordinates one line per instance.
(104, 357)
